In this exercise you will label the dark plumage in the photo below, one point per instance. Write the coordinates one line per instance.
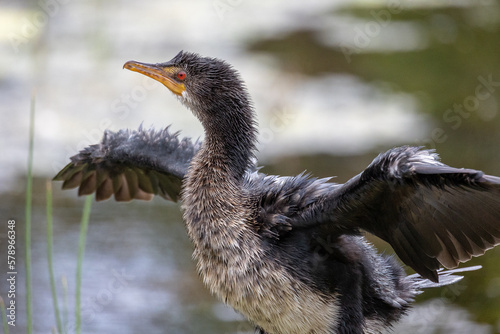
(131, 165)
(287, 251)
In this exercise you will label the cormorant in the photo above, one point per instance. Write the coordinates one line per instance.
(287, 252)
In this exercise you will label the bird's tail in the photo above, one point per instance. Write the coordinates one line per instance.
(446, 277)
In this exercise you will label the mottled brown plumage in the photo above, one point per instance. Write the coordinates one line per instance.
(287, 251)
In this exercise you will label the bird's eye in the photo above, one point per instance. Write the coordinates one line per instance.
(181, 75)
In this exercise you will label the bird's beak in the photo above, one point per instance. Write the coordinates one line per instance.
(165, 75)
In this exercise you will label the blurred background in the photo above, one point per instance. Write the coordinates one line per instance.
(334, 84)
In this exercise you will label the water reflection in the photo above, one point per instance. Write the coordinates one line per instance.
(327, 79)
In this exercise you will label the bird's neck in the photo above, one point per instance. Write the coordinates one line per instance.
(214, 199)
(229, 143)
(213, 192)
(217, 209)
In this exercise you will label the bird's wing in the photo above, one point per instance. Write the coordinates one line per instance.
(281, 200)
(131, 164)
(430, 213)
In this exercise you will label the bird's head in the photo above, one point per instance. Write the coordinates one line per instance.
(208, 86)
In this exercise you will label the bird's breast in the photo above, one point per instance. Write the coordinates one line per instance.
(241, 275)
(236, 267)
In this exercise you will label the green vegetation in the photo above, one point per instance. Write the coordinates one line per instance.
(81, 249)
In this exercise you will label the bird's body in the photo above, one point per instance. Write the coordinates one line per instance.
(287, 252)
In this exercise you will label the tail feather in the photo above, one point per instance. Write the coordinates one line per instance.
(446, 277)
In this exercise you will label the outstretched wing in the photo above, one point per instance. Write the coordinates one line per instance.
(430, 213)
(131, 164)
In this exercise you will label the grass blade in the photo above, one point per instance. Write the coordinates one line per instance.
(29, 187)
(81, 248)
(49, 256)
(64, 283)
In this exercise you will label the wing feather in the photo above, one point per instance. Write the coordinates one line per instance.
(432, 215)
(131, 165)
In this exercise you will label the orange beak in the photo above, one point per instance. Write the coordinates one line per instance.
(165, 75)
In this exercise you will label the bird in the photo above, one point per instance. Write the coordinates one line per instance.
(289, 252)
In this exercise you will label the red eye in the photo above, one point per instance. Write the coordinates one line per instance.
(181, 75)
